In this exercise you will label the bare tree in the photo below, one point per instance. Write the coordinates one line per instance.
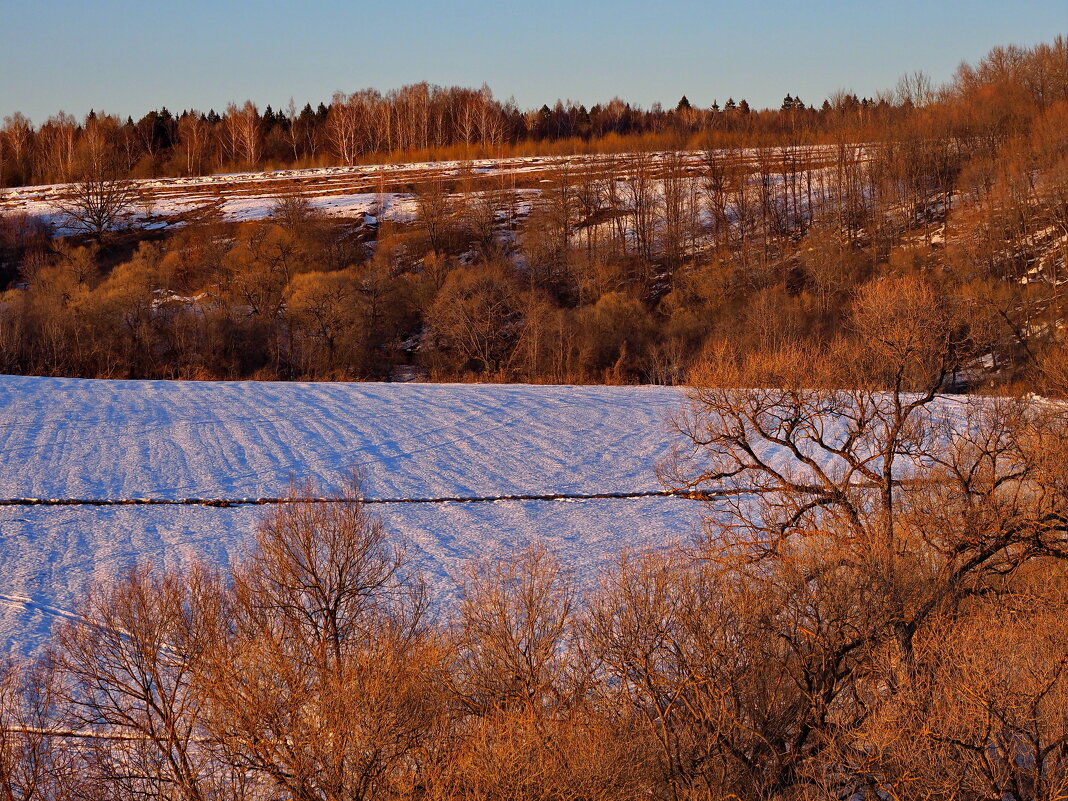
(35, 763)
(984, 711)
(477, 315)
(129, 665)
(194, 133)
(325, 682)
(16, 140)
(528, 731)
(865, 513)
(243, 132)
(344, 127)
(515, 618)
(436, 207)
(722, 693)
(98, 204)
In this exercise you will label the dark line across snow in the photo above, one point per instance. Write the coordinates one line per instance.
(224, 503)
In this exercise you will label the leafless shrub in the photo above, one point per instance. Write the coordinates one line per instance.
(325, 680)
(129, 668)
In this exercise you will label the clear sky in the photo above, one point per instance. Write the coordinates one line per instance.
(127, 56)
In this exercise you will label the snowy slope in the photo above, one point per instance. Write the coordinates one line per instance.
(336, 191)
(62, 438)
(380, 190)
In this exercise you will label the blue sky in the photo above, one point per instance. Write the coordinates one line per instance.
(126, 57)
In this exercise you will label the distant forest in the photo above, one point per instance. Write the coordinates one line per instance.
(414, 122)
(710, 231)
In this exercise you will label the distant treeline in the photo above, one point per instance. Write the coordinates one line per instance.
(421, 119)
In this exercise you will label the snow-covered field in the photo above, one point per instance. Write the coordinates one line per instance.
(346, 192)
(381, 191)
(70, 438)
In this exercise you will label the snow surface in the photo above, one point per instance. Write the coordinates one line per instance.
(74, 438)
(350, 192)
(359, 191)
